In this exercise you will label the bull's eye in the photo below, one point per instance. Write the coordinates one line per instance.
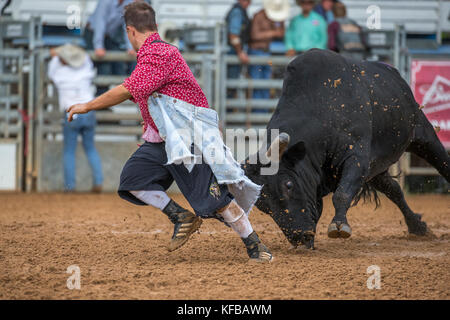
(289, 185)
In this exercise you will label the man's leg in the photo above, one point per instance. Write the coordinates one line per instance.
(103, 68)
(211, 200)
(154, 198)
(260, 72)
(70, 133)
(88, 135)
(256, 72)
(233, 72)
(185, 222)
(236, 218)
(267, 74)
(117, 68)
(144, 180)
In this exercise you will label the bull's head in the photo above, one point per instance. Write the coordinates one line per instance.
(288, 196)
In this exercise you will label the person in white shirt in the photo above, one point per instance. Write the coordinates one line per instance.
(71, 70)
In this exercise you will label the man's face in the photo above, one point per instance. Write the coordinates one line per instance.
(327, 5)
(245, 3)
(131, 33)
(306, 5)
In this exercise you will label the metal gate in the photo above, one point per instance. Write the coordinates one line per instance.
(11, 121)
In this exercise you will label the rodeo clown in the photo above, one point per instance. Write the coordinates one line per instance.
(180, 131)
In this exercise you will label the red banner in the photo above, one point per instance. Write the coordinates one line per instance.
(430, 83)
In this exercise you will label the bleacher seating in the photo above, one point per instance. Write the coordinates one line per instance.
(419, 16)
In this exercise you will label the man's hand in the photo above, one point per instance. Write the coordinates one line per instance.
(110, 98)
(77, 109)
(100, 52)
(278, 33)
(290, 53)
(243, 57)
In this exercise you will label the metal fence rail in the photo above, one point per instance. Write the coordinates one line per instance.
(121, 122)
(12, 105)
(200, 64)
(210, 69)
(25, 35)
(237, 111)
(418, 15)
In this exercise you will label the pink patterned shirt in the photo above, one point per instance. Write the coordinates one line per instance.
(161, 67)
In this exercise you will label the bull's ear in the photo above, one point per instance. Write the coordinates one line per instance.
(295, 153)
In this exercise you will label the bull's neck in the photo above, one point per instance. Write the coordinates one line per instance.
(310, 170)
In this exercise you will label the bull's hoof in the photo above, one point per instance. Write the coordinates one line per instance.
(339, 230)
(416, 226)
(333, 231)
(345, 231)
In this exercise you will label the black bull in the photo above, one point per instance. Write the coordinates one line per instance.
(342, 124)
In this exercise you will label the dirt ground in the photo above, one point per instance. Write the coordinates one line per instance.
(121, 252)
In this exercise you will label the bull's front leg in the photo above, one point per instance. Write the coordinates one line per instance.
(352, 179)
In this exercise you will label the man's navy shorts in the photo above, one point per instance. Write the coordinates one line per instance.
(147, 170)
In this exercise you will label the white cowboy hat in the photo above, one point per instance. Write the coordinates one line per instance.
(277, 10)
(73, 55)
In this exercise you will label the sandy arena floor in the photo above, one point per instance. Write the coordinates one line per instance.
(120, 249)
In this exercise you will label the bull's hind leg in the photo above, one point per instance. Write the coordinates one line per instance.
(392, 190)
(426, 145)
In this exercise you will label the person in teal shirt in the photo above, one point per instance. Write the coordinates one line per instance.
(306, 31)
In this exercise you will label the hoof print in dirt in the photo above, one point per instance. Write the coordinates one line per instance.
(339, 230)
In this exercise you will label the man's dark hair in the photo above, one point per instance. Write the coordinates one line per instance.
(339, 10)
(141, 16)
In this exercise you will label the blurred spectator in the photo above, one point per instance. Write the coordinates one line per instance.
(238, 35)
(344, 34)
(267, 25)
(325, 9)
(71, 70)
(306, 31)
(104, 31)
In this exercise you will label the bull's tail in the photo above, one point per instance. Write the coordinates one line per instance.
(367, 193)
(426, 145)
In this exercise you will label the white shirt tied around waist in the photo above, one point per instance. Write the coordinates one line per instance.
(180, 125)
(74, 84)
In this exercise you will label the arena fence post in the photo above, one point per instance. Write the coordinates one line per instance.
(11, 120)
(218, 73)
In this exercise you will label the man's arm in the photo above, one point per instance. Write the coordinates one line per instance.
(289, 39)
(333, 29)
(150, 74)
(108, 99)
(323, 36)
(98, 27)
(234, 30)
(257, 32)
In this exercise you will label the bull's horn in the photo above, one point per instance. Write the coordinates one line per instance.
(280, 143)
